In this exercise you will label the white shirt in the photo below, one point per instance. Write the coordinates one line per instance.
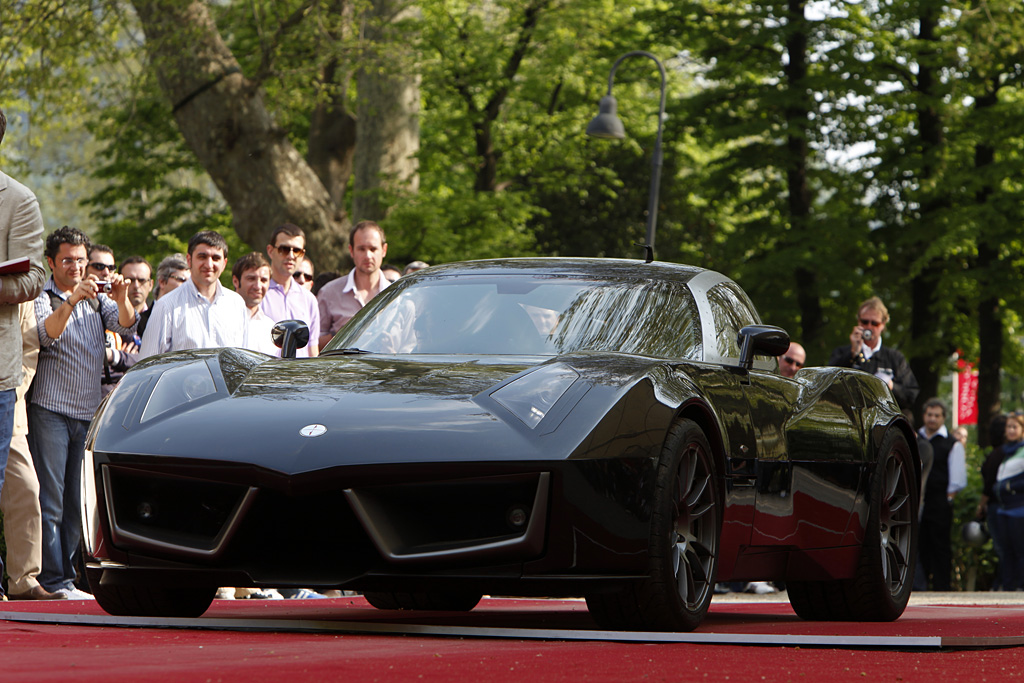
(957, 461)
(260, 328)
(185, 319)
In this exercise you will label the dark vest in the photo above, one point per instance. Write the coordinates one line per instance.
(938, 479)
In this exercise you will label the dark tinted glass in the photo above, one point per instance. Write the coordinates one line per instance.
(526, 315)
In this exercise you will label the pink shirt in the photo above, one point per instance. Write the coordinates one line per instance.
(297, 304)
(339, 301)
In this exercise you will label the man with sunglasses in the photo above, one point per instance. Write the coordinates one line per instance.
(792, 360)
(866, 352)
(304, 274)
(287, 299)
(115, 362)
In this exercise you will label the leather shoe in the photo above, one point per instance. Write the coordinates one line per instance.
(38, 593)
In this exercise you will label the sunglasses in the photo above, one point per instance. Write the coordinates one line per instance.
(141, 281)
(284, 250)
(299, 276)
(179, 278)
(871, 323)
(792, 361)
(96, 265)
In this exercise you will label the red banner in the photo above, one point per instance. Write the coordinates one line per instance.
(966, 394)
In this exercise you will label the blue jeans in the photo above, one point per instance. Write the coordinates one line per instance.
(57, 443)
(7, 400)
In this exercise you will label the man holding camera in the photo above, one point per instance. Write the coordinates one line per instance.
(73, 313)
(866, 353)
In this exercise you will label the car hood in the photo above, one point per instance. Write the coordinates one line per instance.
(302, 415)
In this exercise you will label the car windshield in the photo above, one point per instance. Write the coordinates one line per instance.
(521, 314)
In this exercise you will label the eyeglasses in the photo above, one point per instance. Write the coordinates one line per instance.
(301, 277)
(96, 265)
(67, 261)
(871, 323)
(792, 361)
(179, 278)
(140, 281)
(284, 250)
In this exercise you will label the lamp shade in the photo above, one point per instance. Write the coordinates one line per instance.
(607, 123)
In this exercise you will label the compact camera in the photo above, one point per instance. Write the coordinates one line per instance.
(104, 287)
(866, 335)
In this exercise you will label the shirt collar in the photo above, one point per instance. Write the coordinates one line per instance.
(194, 291)
(868, 351)
(350, 282)
(941, 432)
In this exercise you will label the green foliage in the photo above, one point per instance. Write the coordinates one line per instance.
(437, 227)
(156, 194)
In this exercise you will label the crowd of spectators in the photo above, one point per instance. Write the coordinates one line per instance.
(93, 320)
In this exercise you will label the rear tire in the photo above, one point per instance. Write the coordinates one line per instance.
(683, 546)
(150, 601)
(885, 574)
(431, 602)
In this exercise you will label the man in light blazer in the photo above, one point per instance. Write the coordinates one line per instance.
(21, 236)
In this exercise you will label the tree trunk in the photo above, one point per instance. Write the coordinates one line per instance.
(223, 119)
(388, 111)
(797, 122)
(925, 326)
(990, 319)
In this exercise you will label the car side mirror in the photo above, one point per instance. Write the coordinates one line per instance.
(289, 336)
(761, 340)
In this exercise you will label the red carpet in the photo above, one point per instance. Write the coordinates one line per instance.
(46, 652)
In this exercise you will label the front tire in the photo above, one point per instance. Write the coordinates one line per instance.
(151, 601)
(884, 577)
(683, 546)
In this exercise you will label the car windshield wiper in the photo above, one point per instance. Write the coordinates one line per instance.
(350, 351)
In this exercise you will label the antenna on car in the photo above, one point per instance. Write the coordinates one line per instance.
(648, 251)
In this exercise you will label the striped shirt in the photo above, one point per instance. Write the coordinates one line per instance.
(68, 373)
(185, 319)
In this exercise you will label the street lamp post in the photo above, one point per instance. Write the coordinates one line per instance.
(607, 124)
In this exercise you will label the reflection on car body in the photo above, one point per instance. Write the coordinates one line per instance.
(556, 427)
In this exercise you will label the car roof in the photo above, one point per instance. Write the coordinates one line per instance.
(592, 267)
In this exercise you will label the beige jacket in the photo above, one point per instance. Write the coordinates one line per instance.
(29, 359)
(21, 234)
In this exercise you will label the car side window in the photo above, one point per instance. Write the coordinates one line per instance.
(730, 311)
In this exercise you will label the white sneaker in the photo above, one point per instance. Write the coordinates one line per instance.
(760, 587)
(265, 594)
(225, 594)
(75, 594)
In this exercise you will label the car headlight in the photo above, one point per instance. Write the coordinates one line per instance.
(90, 511)
(178, 386)
(531, 396)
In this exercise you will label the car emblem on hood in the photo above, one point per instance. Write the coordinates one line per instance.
(312, 430)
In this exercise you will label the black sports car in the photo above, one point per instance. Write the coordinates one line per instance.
(532, 427)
